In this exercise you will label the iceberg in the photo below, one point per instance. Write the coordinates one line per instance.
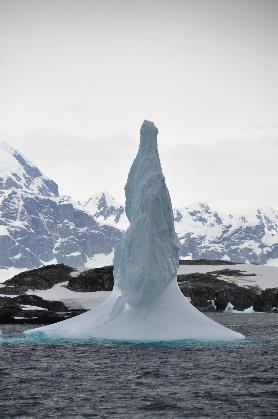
(146, 304)
(230, 309)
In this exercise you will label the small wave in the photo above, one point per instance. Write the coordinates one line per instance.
(40, 339)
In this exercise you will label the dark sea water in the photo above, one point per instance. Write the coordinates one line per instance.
(144, 381)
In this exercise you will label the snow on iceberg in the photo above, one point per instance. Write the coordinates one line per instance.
(146, 303)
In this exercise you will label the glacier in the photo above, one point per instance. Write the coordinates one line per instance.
(146, 304)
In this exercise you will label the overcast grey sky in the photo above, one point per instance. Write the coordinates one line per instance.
(78, 77)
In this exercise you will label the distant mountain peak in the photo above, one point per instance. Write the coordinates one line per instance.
(38, 226)
(106, 210)
(103, 199)
(18, 173)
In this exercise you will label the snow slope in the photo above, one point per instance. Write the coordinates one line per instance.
(72, 299)
(264, 276)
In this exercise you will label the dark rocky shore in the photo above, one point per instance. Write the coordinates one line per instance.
(206, 292)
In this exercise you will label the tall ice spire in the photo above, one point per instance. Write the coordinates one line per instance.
(147, 258)
(146, 303)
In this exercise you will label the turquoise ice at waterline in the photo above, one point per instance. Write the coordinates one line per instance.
(146, 304)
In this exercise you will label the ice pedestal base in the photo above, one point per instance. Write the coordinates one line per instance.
(169, 317)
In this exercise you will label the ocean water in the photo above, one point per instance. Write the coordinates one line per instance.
(144, 381)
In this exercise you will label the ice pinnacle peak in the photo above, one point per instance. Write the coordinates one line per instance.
(148, 136)
(148, 126)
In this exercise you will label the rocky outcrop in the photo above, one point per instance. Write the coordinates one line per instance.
(37, 279)
(99, 279)
(205, 262)
(9, 310)
(208, 293)
(267, 300)
(32, 309)
(34, 300)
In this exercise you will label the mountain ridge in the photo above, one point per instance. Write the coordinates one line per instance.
(39, 226)
(251, 237)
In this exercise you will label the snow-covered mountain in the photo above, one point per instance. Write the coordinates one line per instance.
(250, 237)
(38, 226)
(106, 210)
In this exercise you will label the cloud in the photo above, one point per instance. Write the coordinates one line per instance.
(81, 166)
(76, 108)
(227, 175)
